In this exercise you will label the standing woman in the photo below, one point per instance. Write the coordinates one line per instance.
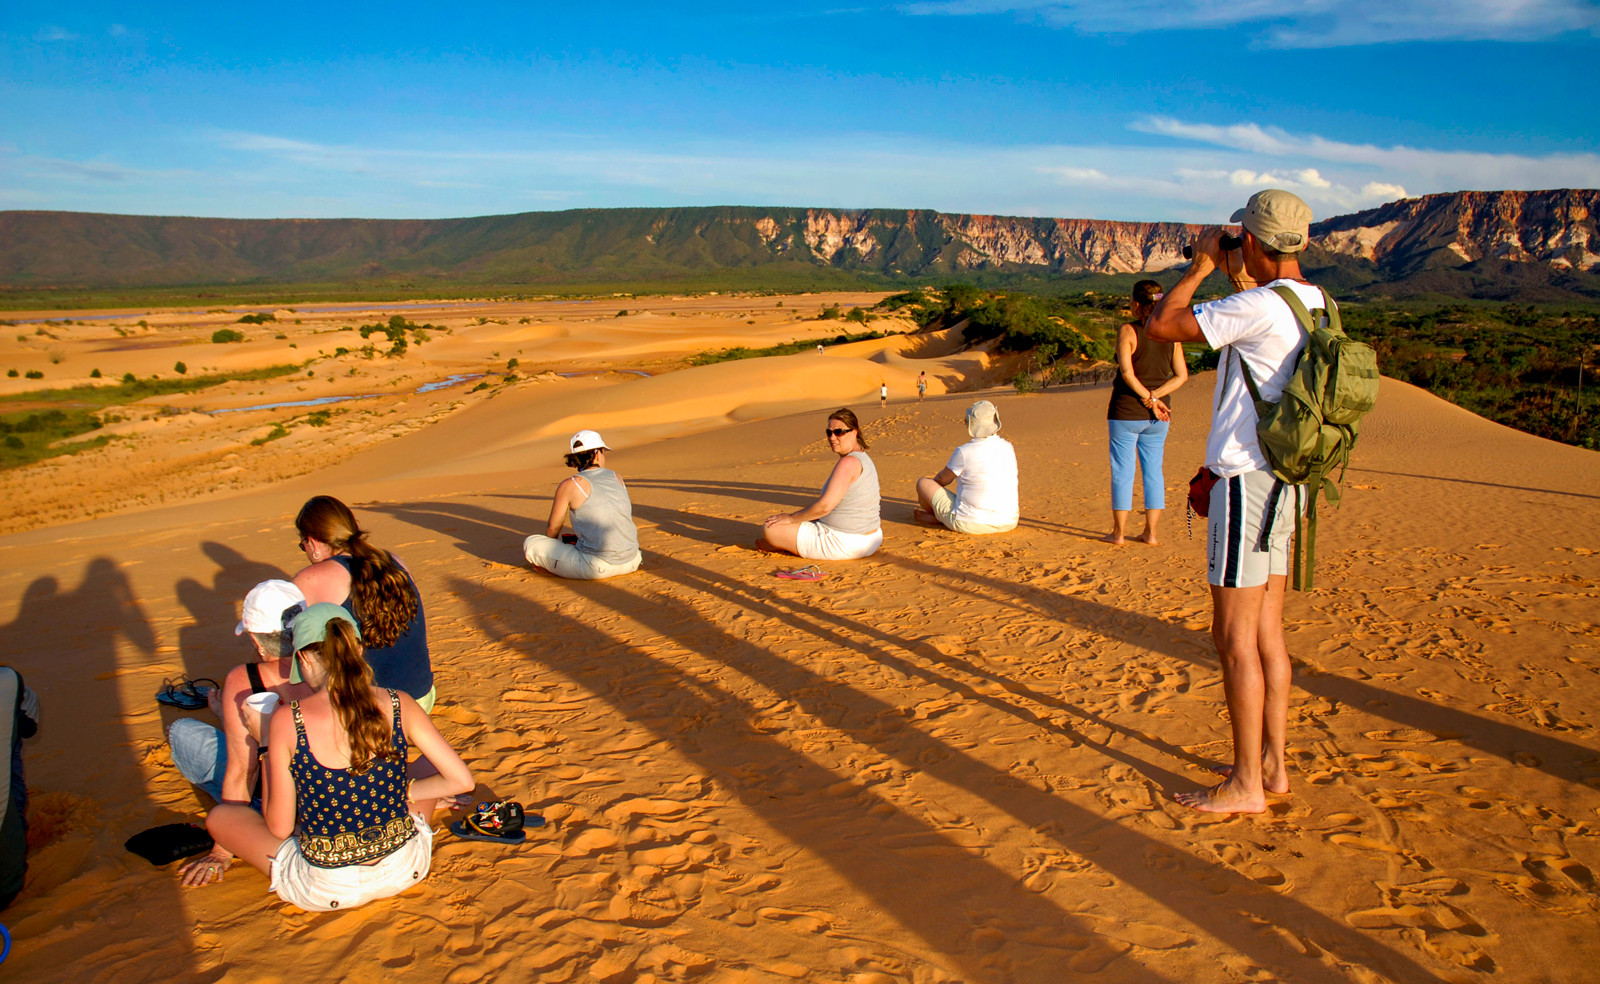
(844, 523)
(340, 825)
(1148, 372)
(370, 584)
(606, 542)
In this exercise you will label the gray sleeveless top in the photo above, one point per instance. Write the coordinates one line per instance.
(857, 512)
(604, 523)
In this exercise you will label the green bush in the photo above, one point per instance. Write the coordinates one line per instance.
(34, 374)
(224, 335)
(128, 379)
(856, 314)
(179, 368)
(13, 373)
(257, 319)
(829, 313)
(94, 374)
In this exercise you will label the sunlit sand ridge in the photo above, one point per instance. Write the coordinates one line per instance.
(950, 762)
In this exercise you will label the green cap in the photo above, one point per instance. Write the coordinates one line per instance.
(311, 626)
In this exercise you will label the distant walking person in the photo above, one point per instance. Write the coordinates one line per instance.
(1251, 513)
(605, 541)
(844, 523)
(883, 393)
(985, 472)
(922, 384)
(1148, 373)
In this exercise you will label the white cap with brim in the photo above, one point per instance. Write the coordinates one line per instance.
(1278, 219)
(268, 607)
(587, 440)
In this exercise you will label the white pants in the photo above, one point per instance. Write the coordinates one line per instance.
(566, 560)
(818, 542)
(315, 889)
(944, 509)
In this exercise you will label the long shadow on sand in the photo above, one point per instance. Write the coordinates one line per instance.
(1473, 481)
(1553, 756)
(67, 643)
(842, 830)
(488, 534)
(208, 646)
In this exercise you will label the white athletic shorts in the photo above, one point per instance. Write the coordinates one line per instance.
(302, 883)
(567, 560)
(1248, 531)
(818, 542)
(944, 509)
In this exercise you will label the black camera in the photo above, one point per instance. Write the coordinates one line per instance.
(1228, 243)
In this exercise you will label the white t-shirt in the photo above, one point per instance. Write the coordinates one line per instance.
(986, 481)
(1258, 326)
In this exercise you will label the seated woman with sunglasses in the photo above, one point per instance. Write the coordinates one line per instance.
(348, 570)
(340, 825)
(844, 523)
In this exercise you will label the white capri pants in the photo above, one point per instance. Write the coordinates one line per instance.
(566, 560)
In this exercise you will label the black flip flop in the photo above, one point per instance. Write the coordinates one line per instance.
(186, 695)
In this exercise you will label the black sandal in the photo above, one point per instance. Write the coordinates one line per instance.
(502, 822)
(186, 695)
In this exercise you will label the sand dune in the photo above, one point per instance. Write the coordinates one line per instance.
(950, 762)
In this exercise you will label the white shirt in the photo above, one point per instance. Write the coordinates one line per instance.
(986, 481)
(1258, 326)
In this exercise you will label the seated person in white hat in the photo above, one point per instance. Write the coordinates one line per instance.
(985, 472)
(225, 763)
(597, 503)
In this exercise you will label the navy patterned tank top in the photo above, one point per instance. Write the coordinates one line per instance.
(345, 818)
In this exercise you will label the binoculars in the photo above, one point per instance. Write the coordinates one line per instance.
(1228, 243)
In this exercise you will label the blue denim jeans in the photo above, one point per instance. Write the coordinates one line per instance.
(200, 752)
(1147, 438)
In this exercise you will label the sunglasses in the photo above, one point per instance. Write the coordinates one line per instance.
(836, 431)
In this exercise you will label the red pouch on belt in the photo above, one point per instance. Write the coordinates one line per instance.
(1200, 490)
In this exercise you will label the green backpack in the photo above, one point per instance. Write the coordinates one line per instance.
(1312, 429)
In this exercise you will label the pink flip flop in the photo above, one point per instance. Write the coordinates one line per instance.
(811, 573)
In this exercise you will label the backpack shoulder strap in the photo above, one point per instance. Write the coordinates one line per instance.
(1302, 316)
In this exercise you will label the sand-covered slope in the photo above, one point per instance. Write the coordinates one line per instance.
(950, 762)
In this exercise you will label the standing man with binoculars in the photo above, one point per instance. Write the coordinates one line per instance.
(1251, 515)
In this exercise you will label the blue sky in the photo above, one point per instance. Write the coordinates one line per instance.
(1116, 109)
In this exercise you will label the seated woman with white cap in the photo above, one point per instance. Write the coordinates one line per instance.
(607, 542)
(985, 472)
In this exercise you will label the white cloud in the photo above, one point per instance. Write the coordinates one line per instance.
(1436, 170)
(1308, 24)
(1192, 172)
(51, 32)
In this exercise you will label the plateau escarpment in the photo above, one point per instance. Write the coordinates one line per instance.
(1545, 237)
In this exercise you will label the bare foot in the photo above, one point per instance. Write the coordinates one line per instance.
(1223, 798)
(762, 545)
(1147, 537)
(1115, 538)
(1275, 781)
(924, 517)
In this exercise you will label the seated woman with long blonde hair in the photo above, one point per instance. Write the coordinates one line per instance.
(340, 825)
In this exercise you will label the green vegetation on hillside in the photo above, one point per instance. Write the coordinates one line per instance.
(1532, 368)
(782, 348)
(31, 435)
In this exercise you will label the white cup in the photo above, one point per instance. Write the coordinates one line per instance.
(263, 704)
